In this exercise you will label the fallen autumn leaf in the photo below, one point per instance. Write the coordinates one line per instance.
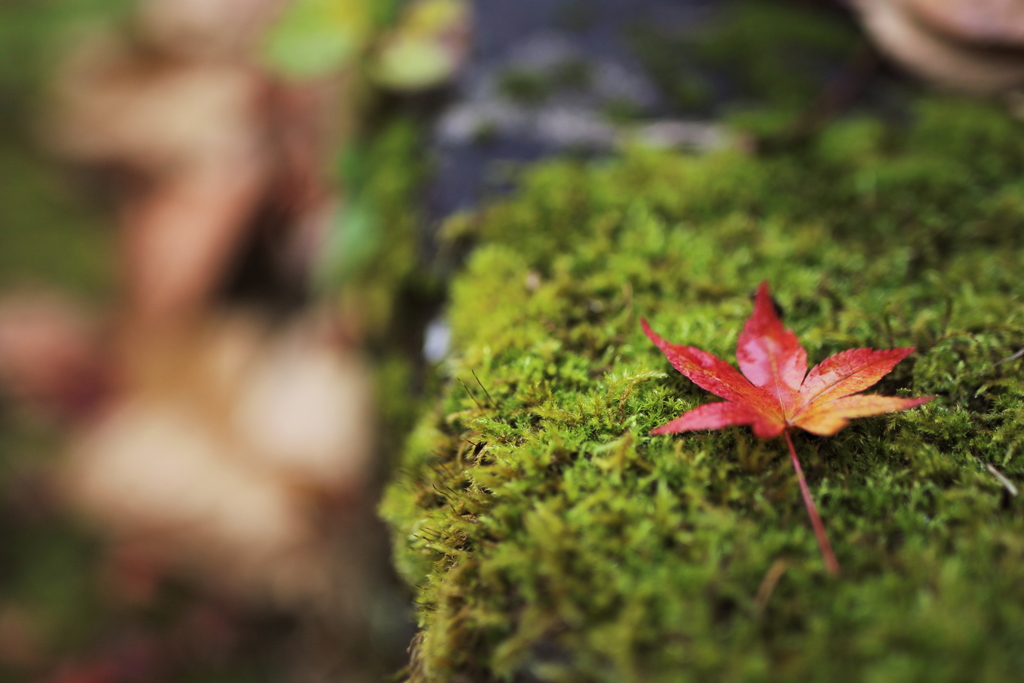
(776, 393)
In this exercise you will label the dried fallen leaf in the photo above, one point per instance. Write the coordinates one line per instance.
(971, 46)
(220, 157)
(193, 137)
(229, 448)
(50, 356)
(206, 29)
(991, 22)
(775, 393)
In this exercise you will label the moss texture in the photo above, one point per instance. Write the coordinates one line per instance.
(751, 51)
(550, 538)
(51, 231)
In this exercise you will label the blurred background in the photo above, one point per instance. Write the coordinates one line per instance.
(223, 267)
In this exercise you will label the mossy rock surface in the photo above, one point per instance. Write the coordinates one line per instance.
(550, 538)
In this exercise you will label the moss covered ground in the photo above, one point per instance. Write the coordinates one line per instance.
(549, 538)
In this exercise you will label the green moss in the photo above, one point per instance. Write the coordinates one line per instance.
(550, 538)
(783, 54)
(532, 86)
(526, 87)
(778, 52)
(50, 231)
(370, 266)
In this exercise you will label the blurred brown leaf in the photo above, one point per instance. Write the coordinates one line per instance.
(212, 149)
(984, 22)
(49, 353)
(229, 443)
(222, 451)
(970, 46)
(207, 29)
(21, 643)
(194, 135)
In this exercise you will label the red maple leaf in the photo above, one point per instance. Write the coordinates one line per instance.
(775, 393)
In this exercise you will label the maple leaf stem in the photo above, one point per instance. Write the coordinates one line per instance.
(819, 529)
